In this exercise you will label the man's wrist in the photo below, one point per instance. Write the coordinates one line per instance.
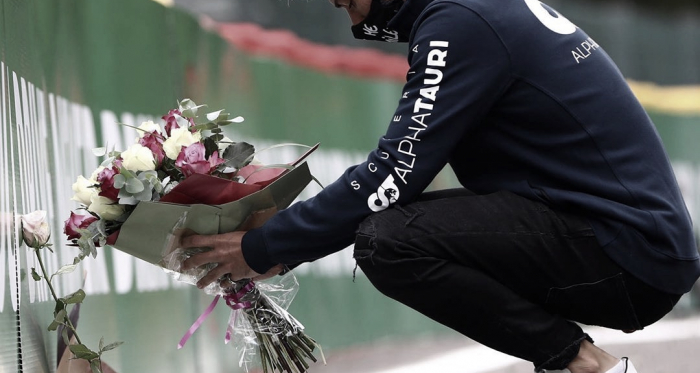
(255, 252)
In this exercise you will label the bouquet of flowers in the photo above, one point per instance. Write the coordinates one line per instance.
(188, 177)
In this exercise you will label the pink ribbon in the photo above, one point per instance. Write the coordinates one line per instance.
(233, 300)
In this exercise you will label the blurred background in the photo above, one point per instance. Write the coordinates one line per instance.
(72, 69)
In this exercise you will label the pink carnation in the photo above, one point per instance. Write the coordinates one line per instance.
(191, 160)
(76, 222)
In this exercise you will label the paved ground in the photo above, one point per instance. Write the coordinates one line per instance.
(670, 346)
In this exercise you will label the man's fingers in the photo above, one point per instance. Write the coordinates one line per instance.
(210, 277)
(197, 260)
(193, 241)
(196, 240)
(272, 272)
(222, 249)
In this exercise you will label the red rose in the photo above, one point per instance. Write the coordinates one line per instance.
(171, 120)
(154, 142)
(106, 180)
(76, 222)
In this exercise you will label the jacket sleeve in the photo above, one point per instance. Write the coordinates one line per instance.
(458, 68)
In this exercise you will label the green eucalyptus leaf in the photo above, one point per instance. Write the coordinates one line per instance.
(99, 226)
(95, 365)
(60, 316)
(205, 126)
(111, 346)
(93, 250)
(127, 199)
(158, 187)
(150, 176)
(214, 115)
(53, 326)
(101, 345)
(145, 195)
(226, 122)
(74, 298)
(134, 186)
(108, 162)
(188, 113)
(188, 108)
(191, 111)
(68, 268)
(126, 173)
(182, 120)
(86, 244)
(186, 104)
(82, 352)
(35, 275)
(119, 181)
(238, 154)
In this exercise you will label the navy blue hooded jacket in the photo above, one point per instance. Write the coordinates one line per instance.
(514, 97)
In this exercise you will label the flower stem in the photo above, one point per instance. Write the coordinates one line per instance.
(53, 293)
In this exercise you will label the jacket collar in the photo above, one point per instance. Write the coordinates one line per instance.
(407, 15)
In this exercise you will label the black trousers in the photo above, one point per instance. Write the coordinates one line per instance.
(505, 271)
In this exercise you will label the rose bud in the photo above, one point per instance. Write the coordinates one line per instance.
(35, 229)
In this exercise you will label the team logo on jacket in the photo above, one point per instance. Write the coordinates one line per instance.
(386, 194)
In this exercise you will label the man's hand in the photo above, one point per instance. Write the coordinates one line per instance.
(226, 253)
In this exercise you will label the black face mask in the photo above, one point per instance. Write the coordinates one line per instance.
(374, 26)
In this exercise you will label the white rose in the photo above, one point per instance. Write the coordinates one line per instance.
(105, 208)
(35, 229)
(84, 190)
(179, 137)
(138, 158)
(149, 126)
